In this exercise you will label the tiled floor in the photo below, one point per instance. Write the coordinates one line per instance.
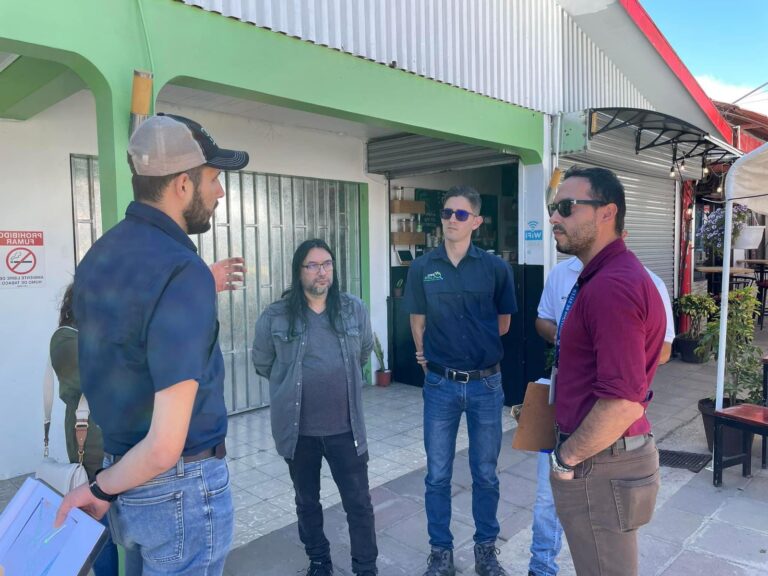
(262, 488)
(696, 529)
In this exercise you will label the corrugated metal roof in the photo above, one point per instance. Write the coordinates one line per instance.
(525, 52)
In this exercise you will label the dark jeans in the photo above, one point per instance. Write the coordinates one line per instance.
(106, 563)
(350, 472)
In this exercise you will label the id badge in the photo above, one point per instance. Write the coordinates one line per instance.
(552, 384)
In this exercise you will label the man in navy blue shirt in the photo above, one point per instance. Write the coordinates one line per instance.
(460, 299)
(151, 367)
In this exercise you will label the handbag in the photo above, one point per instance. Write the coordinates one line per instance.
(60, 476)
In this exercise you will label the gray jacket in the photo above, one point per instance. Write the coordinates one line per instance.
(278, 356)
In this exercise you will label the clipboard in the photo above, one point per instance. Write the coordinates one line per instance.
(31, 546)
(536, 427)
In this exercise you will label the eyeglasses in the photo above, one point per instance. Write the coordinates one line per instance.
(461, 215)
(315, 267)
(564, 207)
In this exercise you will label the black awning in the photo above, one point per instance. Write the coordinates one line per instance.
(655, 129)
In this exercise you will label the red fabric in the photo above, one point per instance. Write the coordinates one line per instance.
(611, 339)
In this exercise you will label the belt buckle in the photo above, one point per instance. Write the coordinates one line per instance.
(455, 374)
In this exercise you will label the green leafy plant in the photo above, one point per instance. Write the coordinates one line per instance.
(399, 283)
(743, 364)
(379, 353)
(698, 308)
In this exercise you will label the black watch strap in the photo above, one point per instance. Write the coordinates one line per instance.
(100, 494)
(560, 460)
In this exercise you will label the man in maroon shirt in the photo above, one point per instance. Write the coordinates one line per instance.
(605, 468)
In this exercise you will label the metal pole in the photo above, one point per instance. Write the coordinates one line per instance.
(724, 293)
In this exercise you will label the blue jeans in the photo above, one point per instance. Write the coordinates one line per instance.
(444, 402)
(547, 531)
(180, 522)
(107, 562)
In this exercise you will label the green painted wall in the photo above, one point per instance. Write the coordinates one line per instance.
(31, 85)
(104, 41)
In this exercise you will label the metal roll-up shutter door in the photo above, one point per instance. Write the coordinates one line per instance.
(650, 192)
(413, 155)
(650, 218)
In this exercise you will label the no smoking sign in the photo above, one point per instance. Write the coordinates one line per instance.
(21, 258)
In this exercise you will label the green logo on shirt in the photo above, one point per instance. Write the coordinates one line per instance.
(433, 277)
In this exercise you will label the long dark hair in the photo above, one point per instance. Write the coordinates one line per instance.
(66, 314)
(297, 302)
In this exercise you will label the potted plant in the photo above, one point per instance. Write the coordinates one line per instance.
(712, 231)
(383, 376)
(698, 308)
(398, 291)
(743, 365)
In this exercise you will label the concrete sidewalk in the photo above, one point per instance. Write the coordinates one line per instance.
(696, 529)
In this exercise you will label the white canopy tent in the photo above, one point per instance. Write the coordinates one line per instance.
(747, 183)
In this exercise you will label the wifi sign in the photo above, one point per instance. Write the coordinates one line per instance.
(533, 234)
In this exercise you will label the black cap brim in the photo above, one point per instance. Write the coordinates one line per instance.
(228, 160)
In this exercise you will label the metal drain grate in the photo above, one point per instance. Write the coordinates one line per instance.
(689, 460)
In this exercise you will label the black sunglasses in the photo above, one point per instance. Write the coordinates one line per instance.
(565, 206)
(461, 215)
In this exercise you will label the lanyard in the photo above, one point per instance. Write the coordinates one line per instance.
(568, 305)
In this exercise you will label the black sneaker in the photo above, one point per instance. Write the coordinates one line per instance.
(440, 563)
(320, 568)
(486, 563)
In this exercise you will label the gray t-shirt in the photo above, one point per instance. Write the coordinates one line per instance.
(324, 400)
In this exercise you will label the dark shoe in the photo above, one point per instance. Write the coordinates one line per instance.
(320, 568)
(486, 563)
(440, 563)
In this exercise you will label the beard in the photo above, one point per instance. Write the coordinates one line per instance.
(576, 241)
(317, 289)
(197, 217)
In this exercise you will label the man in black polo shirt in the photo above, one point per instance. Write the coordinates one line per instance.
(460, 299)
(150, 363)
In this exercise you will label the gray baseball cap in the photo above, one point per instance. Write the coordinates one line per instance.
(168, 144)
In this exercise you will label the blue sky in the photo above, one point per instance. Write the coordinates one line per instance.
(724, 43)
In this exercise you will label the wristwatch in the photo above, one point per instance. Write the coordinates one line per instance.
(558, 465)
(100, 494)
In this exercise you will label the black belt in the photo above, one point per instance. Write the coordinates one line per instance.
(218, 451)
(463, 376)
(624, 444)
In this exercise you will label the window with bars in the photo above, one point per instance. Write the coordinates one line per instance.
(262, 218)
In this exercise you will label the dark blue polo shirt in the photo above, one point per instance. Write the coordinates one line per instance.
(145, 305)
(462, 306)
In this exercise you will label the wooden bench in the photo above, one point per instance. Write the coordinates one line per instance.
(747, 418)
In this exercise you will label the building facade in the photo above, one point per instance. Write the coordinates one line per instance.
(313, 90)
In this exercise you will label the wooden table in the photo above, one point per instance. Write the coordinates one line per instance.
(719, 270)
(759, 264)
(714, 273)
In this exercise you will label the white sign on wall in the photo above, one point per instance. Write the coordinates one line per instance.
(22, 259)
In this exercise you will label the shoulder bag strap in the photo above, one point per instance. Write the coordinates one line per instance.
(81, 426)
(47, 403)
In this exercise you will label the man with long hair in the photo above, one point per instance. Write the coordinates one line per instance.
(311, 345)
(150, 362)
